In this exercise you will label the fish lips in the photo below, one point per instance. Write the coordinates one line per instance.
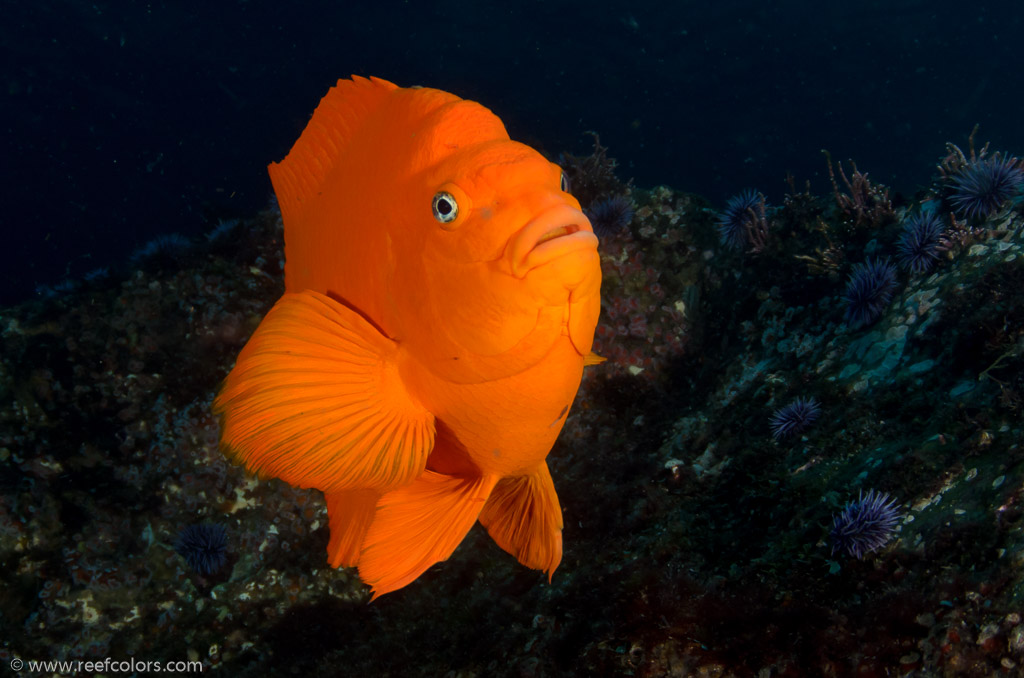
(555, 233)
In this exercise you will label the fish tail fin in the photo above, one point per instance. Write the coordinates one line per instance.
(350, 513)
(524, 518)
(418, 525)
(342, 110)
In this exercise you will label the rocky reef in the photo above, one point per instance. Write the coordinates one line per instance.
(697, 542)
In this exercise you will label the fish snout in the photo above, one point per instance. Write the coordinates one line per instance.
(553, 234)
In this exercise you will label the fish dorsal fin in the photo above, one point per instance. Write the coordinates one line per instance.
(344, 109)
(316, 400)
(524, 518)
(418, 525)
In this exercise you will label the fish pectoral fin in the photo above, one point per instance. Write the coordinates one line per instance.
(593, 359)
(524, 518)
(418, 525)
(316, 400)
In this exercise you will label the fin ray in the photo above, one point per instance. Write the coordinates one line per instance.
(366, 432)
(418, 525)
(524, 518)
(340, 113)
(350, 513)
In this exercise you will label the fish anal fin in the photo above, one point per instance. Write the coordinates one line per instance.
(316, 400)
(350, 513)
(524, 518)
(418, 525)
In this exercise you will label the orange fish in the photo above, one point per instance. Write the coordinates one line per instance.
(441, 293)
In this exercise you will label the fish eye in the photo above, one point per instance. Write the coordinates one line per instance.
(565, 183)
(445, 208)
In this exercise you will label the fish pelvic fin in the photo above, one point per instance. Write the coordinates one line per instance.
(316, 400)
(418, 525)
(524, 518)
(593, 359)
(350, 513)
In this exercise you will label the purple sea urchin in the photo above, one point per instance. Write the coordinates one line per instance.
(794, 417)
(610, 215)
(865, 524)
(981, 187)
(919, 243)
(203, 546)
(869, 291)
(743, 222)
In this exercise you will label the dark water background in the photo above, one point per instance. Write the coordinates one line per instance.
(125, 120)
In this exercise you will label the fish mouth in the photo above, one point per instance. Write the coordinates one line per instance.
(554, 233)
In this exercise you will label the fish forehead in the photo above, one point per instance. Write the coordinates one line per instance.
(496, 167)
(453, 139)
(511, 163)
(440, 125)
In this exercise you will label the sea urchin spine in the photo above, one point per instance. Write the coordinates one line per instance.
(981, 187)
(610, 215)
(794, 417)
(919, 243)
(744, 222)
(204, 547)
(865, 524)
(869, 291)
